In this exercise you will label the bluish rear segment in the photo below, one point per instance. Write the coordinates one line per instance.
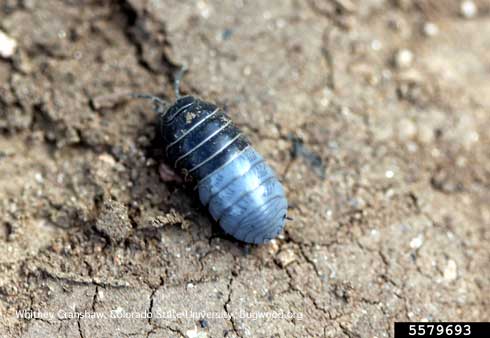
(246, 198)
(240, 190)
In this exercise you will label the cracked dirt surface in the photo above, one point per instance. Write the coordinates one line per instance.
(386, 163)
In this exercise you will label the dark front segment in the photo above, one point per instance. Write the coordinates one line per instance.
(199, 138)
(182, 116)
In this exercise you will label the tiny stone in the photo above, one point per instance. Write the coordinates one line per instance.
(417, 242)
(451, 271)
(204, 9)
(107, 158)
(204, 323)
(412, 147)
(468, 9)
(286, 257)
(7, 45)
(39, 178)
(247, 71)
(406, 129)
(195, 334)
(430, 29)
(273, 247)
(375, 45)
(403, 58)
(471, 137)
(389, 173)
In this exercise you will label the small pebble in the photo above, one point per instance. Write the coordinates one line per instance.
(107, 158)
(204, 9)
(39, 178)
(100, 294)
(468, 9)
(376, 45)
(7, 45)
(451, 271)
(417, 242)
(430, 29)
(195, 334)
(273, 247)
(406, 129)
(389, 173)
(286, 257)
(204, 323)
(403, 58)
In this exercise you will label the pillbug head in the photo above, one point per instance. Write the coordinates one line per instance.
(181, 104)
(182, 116)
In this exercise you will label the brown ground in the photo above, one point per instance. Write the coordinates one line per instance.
(386, 165)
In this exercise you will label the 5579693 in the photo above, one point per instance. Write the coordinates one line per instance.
(443, 329)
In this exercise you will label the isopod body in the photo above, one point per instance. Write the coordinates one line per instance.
(240, 190)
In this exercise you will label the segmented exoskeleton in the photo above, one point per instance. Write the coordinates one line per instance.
(233, 181)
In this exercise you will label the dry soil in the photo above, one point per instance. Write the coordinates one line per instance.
(375, 114)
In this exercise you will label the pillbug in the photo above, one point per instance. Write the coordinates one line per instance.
(233, 181)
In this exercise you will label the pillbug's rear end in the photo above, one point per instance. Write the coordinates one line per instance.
(234, 182)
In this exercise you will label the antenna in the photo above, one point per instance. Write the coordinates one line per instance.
(177, 78)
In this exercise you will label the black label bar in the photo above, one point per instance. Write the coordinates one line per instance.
(442, 329)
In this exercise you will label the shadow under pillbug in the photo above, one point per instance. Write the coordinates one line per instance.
(233, 181)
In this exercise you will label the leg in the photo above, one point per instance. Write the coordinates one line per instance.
(168, 175)
(159, 104)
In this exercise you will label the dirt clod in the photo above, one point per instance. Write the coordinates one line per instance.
(113, 221)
